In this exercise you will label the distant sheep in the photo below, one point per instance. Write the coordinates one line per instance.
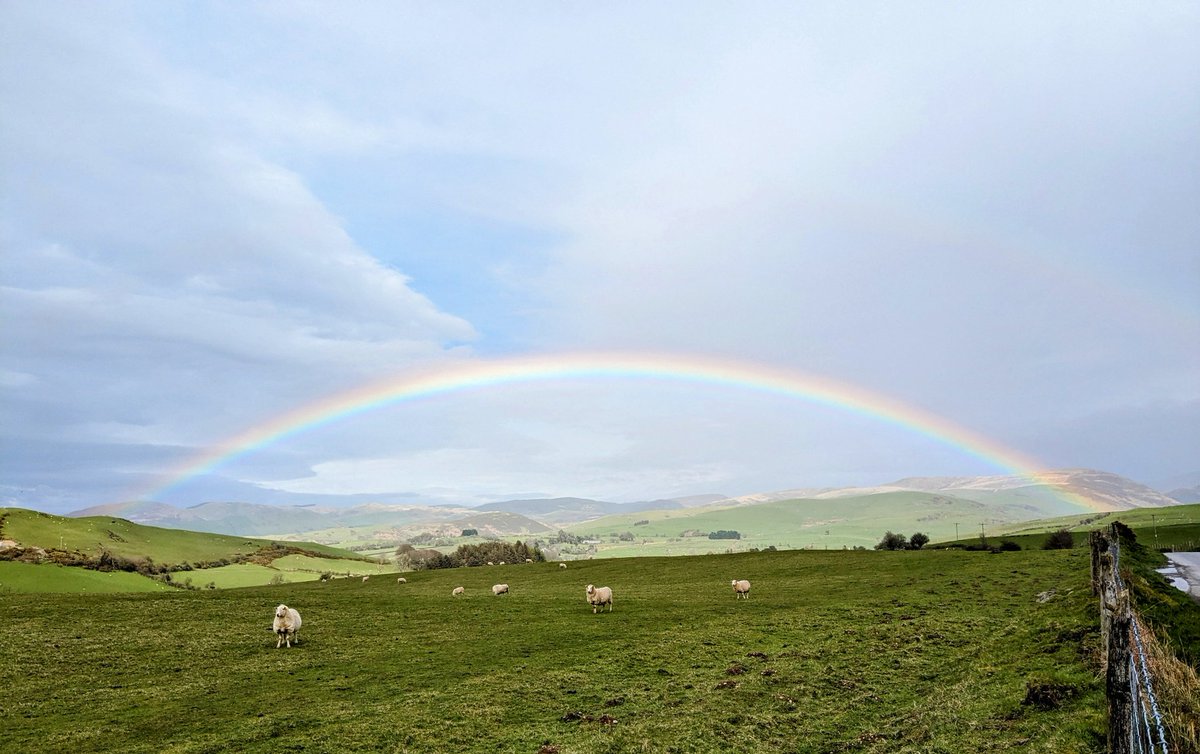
(501, 562)
(286, 626)
(491, 563)
(562, 565)
(365, 579)
(741, 588)
(500, 589)
(598, 597)
(401, 580)
(457, 591)
(528, 560)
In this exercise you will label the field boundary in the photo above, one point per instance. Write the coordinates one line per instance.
(1135, 722)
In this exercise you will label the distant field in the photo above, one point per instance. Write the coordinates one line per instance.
(833, 524)
(26, 577)
(93, 534)
(833, 652)
(1176, 527)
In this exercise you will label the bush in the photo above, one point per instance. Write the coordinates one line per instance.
(892, 541)
(1059, 540)
(723, 534)
(917, 541)
(1008, 545)
(625, 536)
(470, 533)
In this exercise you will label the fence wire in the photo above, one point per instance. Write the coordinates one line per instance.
(1146, 733)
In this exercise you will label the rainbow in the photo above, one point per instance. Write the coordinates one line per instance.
(476, 375)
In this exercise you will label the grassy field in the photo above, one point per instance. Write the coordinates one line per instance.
(27, 577)
(93, 534)
(833, 652)
(1173, 528)
(820, 524)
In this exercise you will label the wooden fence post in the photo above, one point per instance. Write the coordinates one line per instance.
(1120, 698)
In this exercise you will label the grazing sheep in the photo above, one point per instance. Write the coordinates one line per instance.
(562, 565)
(401, 580)
(365, 579)
(491, 563)
(528, 560)
(741, 588)
(501, 562)
(598, 597)
(500, 589)
(286, 626)
(457, 591)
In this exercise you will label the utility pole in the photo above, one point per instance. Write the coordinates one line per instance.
(1154, 520)
(955, 531)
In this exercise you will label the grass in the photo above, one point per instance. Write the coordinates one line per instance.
(29, 578)
(93, 534)
(834, 652)
(810, 523)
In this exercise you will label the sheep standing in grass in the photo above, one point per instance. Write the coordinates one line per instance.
(500, 589)
(365, 579)
(741, 589)
(598, 597)
(562, 565)
(401, 580)
(457, 591)
(286, 625)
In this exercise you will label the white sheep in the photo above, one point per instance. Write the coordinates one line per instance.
(500, 589)
(365, 579)
(562, 565)
(501, 562)
(528, 560)
(401, 580)
(740, 588)
(491, 563)
(598, 597)
(286, 626)
(457, 591)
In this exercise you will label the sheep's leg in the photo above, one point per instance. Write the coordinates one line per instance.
(278, 640)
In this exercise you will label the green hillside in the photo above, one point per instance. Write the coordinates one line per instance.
(103, 552)
(833, 652)
(93, 535)
(831, 523)
(1174, 527)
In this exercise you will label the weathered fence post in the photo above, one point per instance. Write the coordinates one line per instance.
(1120, 697)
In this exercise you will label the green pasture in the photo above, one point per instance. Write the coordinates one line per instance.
(26, 577)
(94, 534)
(817, 524)
(833, 652)
(1176, 527)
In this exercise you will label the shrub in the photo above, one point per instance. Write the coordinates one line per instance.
(917, 541)
(1008, 545)
(1059, 540)
(723, 534)
(892, 541)
(470, 533)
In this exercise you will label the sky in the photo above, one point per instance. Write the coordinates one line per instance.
(215, 214)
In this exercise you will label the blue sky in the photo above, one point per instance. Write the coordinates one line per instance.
(213, 213)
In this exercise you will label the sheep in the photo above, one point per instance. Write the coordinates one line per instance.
(401, 580)
(562, 565)
(457, 591)
(740, 588)
(365, 579)
(500, 589)
(286, 626)
(501, 562)
(528, 560)
(598, 597)
(491, 563)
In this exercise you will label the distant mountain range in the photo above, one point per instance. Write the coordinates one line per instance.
(539, 516)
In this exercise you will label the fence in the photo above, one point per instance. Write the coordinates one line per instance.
(1135, 724)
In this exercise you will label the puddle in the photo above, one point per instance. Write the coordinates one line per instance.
(1177, 581)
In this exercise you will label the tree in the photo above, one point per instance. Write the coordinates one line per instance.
(892, 541)
(470, 532)
(917, 541)
(1059, 540)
